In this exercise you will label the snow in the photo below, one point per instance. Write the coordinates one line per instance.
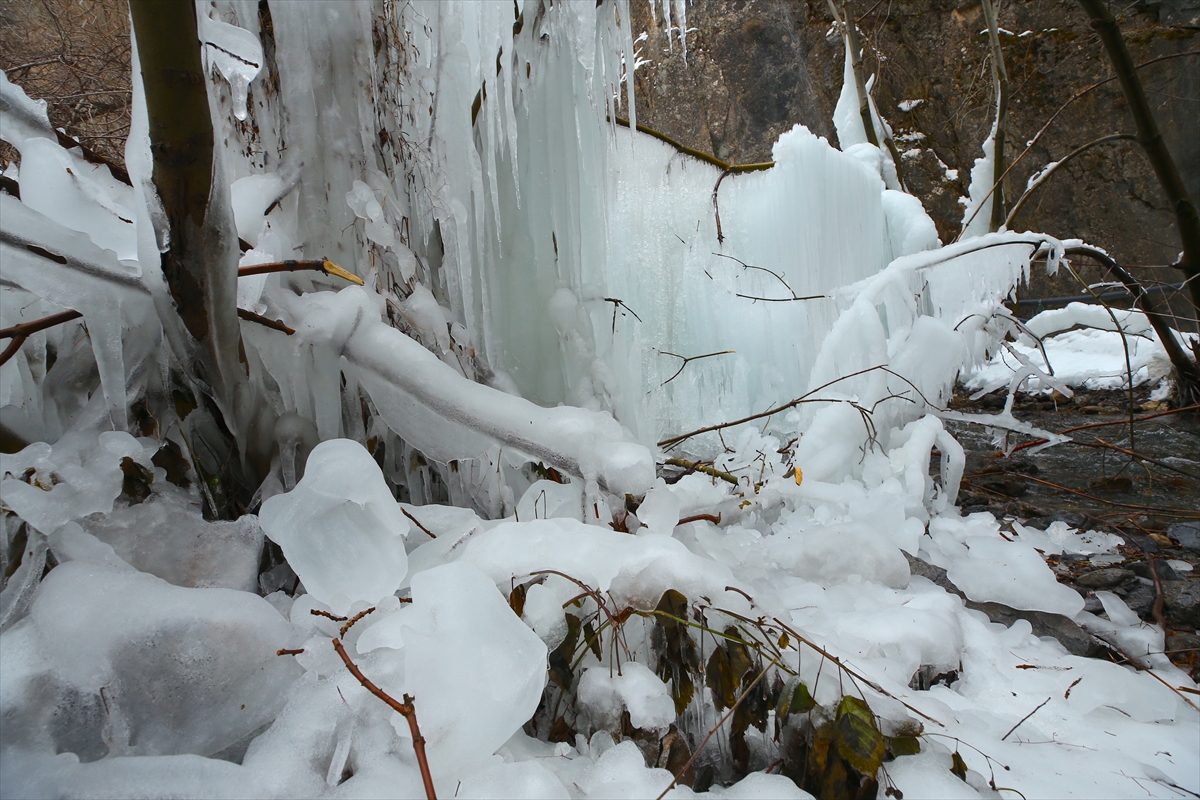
(533, 276)
(634, 689)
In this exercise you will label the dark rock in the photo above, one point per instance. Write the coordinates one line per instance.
(1140, 600)
(1146, 544)
(1009, 485)
(1182, 603)
(928, 571)
(1142, 570)
(1075, 639)
(1072, 518)
(1105, 578)
(1092, 605)
(1182, 644)
(1187, 534)
(1117, 485)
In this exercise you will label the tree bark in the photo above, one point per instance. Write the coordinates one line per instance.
(1000, 78)
(1151, 140)
(200, 261)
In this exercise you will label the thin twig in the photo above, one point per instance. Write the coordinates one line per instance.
(1145, 458)
(801, 400)
(777, 277)
(715, 519)
(1027, 716)
(405, 709)
(696, 466)
(686, 359)
(19, 333)
(697, 154)
(273, 324)
(350, 622)
(1158, 593)
(315, 264)
(416, 522)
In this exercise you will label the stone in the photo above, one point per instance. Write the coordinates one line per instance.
(1182, 645)
(1075, 639)
(1187, 534)
(1140, 600)
(1142, 570)
(1073, 518)
(1105, 578)
(1182, 603)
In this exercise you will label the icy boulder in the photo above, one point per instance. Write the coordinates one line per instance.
(475, 671)
(166, 537)
(340, 528)
(80, 475)
(122, 663)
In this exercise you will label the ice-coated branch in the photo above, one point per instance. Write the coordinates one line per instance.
(448, 417)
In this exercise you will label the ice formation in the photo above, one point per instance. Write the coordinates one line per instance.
(540, 287)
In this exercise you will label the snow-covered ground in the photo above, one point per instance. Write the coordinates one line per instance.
(1080, 346)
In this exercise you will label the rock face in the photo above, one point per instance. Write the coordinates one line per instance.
(755, 68)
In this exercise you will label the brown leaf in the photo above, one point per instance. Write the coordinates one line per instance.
(516, 599)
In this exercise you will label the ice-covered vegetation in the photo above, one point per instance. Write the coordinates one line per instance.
(613, 475)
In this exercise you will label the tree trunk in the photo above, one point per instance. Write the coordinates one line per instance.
(1151, 140)
(200, 262)
(1000, 78)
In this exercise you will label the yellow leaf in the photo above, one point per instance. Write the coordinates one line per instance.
(799, 475)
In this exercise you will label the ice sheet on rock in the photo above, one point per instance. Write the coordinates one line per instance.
(602, 558)
(606, 693)
(475, 671)
(164, 536)
(340, 528)
(987, 568)
(1059, 537)
(525, 779)
(79, 475)
(835, 553)
(180, 670)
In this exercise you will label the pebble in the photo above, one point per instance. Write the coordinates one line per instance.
(1182, 644)
(1165, 572)
(1187, 534)
(1104, 578)
(1182, 603)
